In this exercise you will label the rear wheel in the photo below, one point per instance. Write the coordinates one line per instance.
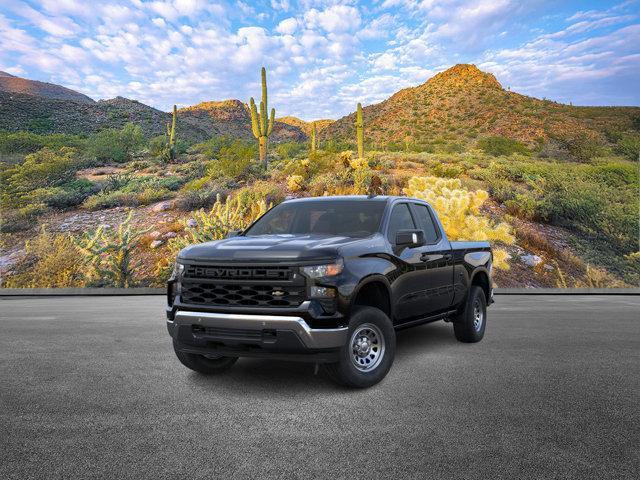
(207, 365)
(369, 352)
(470, 323)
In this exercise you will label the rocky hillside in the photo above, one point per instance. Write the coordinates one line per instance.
(232, 117)
(11, 84)
(305, 126)
(464, 103)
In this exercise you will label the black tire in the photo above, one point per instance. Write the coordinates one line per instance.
(202, 364)
(365, 326)
(465, 327)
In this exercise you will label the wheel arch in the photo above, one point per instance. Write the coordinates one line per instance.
(374, 291)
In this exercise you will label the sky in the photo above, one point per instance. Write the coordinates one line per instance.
(322, 57)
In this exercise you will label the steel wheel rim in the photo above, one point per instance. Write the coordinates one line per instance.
(478, 316)
(367, 347)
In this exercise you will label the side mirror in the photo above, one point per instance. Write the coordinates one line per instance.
(233, 233)
(410, 238)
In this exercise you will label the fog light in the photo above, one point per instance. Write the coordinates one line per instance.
(323, 292)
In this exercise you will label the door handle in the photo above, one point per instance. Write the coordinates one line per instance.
(427, 257)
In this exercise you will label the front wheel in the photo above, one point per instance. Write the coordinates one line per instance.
(369, 352)
(202, 364)
(471, 322)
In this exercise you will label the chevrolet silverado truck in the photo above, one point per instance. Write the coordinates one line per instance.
(327, 280)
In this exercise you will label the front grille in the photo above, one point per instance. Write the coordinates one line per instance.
(242, 295)
(242, 286)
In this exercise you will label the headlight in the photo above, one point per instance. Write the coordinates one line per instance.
(329, 270)
(178, 270)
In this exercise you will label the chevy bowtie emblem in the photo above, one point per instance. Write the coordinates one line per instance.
(277, 293)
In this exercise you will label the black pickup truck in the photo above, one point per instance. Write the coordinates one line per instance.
(326, 280)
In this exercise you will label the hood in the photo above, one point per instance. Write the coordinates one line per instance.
(268, 248)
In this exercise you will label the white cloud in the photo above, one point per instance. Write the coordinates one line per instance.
(335, 19)
(287, 26)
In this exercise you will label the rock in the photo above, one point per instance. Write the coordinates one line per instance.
(156, 243)
(162, 206)
(191, 223)
(531, 260)
(170, 235)
(155, 234)
(549, 267)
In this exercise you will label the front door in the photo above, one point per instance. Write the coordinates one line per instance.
(436, 262)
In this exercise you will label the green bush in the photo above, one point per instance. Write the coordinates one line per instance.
(44, 169)
(289, 150)
(16, 220)
(28, 142)
(234, 160)
(121, 198)
(68, 195)
(116, 145)
(498, 146)
(629, 146)
(582, 147)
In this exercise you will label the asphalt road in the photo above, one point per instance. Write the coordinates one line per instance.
(90, 388)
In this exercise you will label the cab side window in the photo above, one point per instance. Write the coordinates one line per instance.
(426, 223)
(400, 220)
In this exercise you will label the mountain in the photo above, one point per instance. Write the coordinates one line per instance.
(16, 85)
(48, 108)
(464, 103)
(232, 117)
(305, 126)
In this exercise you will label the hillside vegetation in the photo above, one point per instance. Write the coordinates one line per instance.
(113, 206)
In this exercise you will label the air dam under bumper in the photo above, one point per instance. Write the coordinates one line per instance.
(262, 330)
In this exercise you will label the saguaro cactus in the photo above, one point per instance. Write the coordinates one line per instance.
(360, 132)
(171, 136)
(314, 140)
(260, 124)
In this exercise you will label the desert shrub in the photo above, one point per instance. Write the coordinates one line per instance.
(523, 206)
(116, 145)
(108, 254)
(289, 150)
(44, 169)
(582, 146)
(157, 145)
(459, 212)
(23, 218)
(124, 198)
(233, 160)
(52, 261)
(498, 146)
(447, 170)
(629, 146)
(27, 142)
(190, 200)
(68, 195)
(211, 148)
(600, 200)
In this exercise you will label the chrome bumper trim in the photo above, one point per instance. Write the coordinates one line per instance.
(316, 338)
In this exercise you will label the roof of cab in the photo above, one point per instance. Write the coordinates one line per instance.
(376, 198)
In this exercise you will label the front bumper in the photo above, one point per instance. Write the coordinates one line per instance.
(257, 335)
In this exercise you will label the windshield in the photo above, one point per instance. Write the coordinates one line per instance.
(347, 218)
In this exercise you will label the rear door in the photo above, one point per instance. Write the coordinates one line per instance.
(436, 261)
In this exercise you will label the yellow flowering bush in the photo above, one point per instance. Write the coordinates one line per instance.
(459, 212)
(295, 183)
